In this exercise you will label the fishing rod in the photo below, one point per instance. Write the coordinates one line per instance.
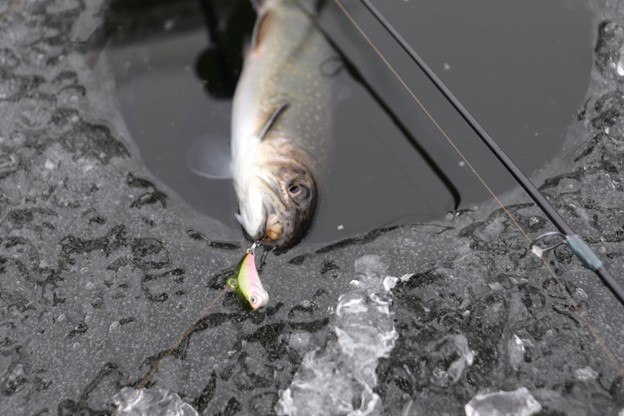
(576, 243)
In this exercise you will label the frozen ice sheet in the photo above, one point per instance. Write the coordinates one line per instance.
(102, 267)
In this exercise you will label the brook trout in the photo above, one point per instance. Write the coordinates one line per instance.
(281, 125)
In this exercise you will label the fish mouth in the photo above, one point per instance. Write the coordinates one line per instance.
(274, 205)
(254, 220)
(285, 229)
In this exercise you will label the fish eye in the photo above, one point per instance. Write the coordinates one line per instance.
(298, 191)
(253, 300)
(294, 189)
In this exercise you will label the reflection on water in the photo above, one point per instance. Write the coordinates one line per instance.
(174, 85)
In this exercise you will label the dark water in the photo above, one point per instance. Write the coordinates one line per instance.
(523, 85)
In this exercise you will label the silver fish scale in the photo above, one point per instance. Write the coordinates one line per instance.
(286, 68)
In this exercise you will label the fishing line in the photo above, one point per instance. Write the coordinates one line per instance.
(574, 241)
(204, 312)
(553, 215)
(154, 369)
(184, 336)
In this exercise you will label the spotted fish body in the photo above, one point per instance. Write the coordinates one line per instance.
(281, 125)
(247, 284)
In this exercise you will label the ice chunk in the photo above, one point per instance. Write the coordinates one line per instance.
(516, 351)
(113, 326)
(503, 403)
(585, 373)
(341, 376)
(389, 283)
(620, 65)
(299, 341)
(151, 402)
(453, 356)
(49, 164)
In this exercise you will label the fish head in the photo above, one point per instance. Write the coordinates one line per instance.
(280, 202)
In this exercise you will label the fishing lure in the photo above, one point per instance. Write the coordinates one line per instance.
(246, 282)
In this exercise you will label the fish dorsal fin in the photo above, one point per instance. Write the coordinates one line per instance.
(259, 29)
(270, 122)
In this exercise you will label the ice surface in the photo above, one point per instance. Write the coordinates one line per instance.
(620, 65)
(102, 267)
(451, 346)
(516, 351)
(340, 377)
(504, 403)
(585, 373)
(151, 402)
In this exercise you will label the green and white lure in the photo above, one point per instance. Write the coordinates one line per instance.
(246, 282)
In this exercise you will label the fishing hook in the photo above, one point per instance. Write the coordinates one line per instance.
(252, 249)
(578, 246)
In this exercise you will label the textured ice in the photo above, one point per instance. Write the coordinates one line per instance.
(619, 67)
(504, 403)
(340, 376)
(150, 402)
(102, 267)
(455, 346)
(585, 373)
(516, 351)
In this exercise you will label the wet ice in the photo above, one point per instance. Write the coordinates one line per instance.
(341, 375)
(151, 402)
(101, 269)
(504, 403)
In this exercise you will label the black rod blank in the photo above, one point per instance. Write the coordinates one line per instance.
(511, 167)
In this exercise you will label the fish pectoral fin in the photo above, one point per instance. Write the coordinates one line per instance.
(272, 119)
(210, 157)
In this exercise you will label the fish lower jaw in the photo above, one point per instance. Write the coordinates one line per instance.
(253, 231)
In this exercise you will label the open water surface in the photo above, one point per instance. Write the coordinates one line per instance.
(525, 86)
